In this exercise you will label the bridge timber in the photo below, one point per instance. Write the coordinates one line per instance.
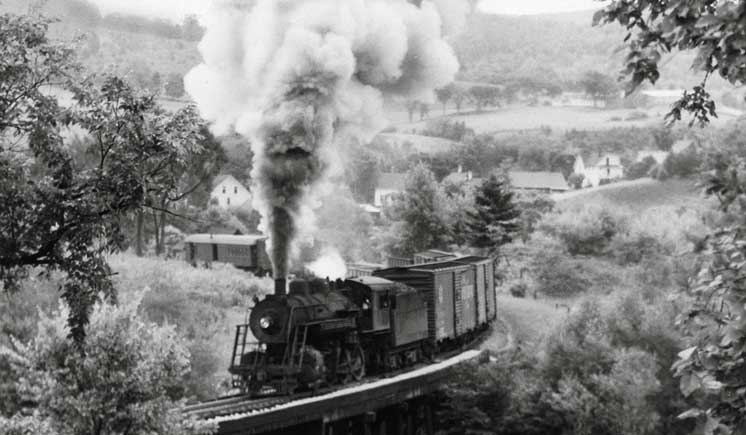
(395, 405)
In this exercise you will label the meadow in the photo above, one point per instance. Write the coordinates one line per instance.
(516, 118)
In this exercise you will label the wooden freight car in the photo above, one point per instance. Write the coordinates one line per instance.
(460, 294)
(245, 252)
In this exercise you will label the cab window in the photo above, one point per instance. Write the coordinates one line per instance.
(384, 302)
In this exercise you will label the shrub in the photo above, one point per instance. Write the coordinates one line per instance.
(640, 169)
(586, 230)
(519, 290)
(576, 180)
(628, 248)
(126, 377)
(558, 276)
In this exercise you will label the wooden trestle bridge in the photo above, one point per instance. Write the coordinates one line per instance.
(399, 405)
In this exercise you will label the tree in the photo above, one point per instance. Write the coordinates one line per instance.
(444, 95)
(712, 369)
(128, 378)
(495, 217)
(412, 106)
(175, 85)
(419, 209)
(713, 28)
(459, 96)
(485, 96)
(663, 138)
(156, 147)
(53, 216)
(363, 173)
(598, 86)
(64, 214)
(424, 111)
(641, 169)
(191, 29)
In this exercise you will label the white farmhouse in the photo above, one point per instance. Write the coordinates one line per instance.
(606, 168)
(230, 193)
(389, 185)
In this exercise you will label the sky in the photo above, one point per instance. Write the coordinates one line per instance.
(176, 9)
(523, 7)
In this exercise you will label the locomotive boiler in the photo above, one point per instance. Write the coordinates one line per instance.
(322, 332)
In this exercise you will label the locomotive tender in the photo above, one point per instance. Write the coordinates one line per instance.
(324, 333)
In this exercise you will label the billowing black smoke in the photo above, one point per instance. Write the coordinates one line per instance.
(295, 75)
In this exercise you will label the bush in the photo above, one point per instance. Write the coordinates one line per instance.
(127, 377)
(519, 290)
(640, 169)
(628, 248)
(558, 276)
(576, 180)
(586, 230)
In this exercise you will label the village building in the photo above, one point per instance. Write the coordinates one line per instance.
(546, 182)
(465, 180)
(605, 169)
(657, 155)
(230, 193)
(390, 185)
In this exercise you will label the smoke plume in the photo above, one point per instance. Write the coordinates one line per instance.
(329, 265)
(297, 76)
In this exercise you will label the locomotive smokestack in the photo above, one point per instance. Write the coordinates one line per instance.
(281, 286)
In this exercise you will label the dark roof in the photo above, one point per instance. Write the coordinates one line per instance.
(538, 180)
(392, 181)
(451, 263)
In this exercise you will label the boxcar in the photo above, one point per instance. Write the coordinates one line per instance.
(245, 252)
(459, 293)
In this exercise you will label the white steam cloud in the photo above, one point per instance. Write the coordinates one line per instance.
(296, 77)
(329, 265)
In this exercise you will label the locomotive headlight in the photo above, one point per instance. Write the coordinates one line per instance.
(265, 322)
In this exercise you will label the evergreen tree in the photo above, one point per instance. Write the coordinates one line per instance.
(495, 217)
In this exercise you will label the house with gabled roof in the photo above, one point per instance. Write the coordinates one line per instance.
(602, 168)
(390, 184)
(228, 192)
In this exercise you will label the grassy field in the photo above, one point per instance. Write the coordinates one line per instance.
(557, 118)
(642, 196)
(530, 319)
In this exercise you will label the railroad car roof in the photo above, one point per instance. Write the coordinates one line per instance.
(225, 239)
(451, 263)
(372, 281)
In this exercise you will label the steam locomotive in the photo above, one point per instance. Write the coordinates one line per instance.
(324, 332)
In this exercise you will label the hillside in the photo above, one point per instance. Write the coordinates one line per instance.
(551, 48)
(557, 47)
(102, 44)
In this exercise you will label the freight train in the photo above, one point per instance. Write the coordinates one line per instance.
(322, 332)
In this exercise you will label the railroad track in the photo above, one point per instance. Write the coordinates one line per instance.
(240, 404)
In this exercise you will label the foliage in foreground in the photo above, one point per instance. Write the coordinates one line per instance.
(126, 378)
(605, 371)
(62, 207)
